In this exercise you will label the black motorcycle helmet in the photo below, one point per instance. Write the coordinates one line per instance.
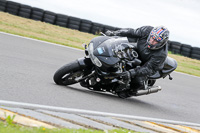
(160, 34)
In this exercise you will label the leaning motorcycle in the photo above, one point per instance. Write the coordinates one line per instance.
(107, 58)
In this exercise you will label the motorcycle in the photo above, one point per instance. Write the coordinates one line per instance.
(107, 58)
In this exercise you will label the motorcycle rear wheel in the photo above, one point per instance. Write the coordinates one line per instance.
(68, 74)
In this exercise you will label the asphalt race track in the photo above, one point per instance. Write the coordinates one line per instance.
(26, 75)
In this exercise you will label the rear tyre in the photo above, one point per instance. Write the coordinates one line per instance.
(68, 74)
(123, 94)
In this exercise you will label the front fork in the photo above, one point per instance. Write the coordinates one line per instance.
(90, 77)
(86, 65)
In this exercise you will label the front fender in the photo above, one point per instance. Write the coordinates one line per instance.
(85, 62)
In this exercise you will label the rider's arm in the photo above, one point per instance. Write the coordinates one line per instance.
(135, 33)
(151, 66)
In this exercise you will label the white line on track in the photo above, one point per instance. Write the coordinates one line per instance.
(60, 45)
(80, 111)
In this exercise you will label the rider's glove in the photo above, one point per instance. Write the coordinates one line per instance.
(132, 73)
(109, 33)
(126, 76)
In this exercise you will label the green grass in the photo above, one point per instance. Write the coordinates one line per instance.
(73, 38)
(187, 65)
(14, 128)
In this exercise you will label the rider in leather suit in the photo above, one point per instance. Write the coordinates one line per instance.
(151, 47)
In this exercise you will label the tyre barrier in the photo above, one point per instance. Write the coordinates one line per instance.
(2, 5)
(49, 17)
(86, 25)
(74, 23)
(12, 7)
(186, 50)
(97, 28)
(169, 45)
(25, 11)
(37, 14)
(195, 53)
(83, 25)
(176, 47)
(62, 20)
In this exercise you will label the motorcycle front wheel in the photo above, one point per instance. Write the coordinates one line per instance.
(68, 74)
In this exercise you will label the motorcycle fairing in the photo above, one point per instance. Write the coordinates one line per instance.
(104, 49)
(169, 66)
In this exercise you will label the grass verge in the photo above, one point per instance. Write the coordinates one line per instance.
(73, 38)
(14, 128)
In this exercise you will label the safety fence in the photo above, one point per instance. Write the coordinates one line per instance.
(83, 25)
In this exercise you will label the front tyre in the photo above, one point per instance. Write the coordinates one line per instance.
(68, 74)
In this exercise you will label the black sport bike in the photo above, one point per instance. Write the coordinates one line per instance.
(107, 58)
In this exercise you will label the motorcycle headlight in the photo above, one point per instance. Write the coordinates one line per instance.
(93, 58)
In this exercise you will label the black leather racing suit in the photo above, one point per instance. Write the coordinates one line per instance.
(152, 60)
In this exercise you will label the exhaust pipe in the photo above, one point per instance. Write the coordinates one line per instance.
(153, 89)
